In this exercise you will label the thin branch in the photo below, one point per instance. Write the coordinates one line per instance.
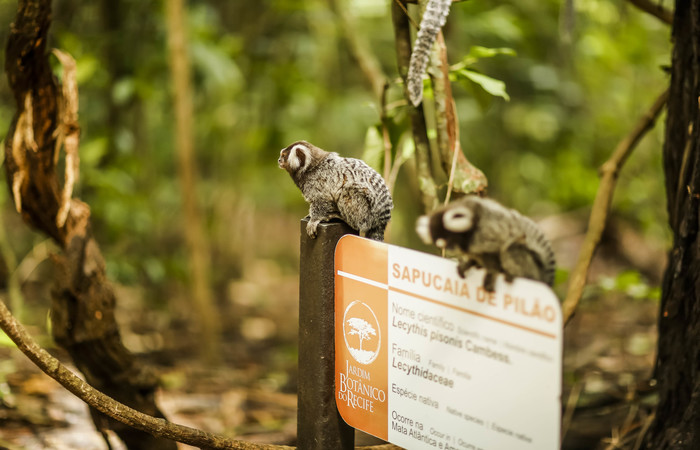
(655, 9)
(643, 432)
(426, 183)
(360, 49)
(386, 139)
(399, 160)
(118, 411)
(464, 177)
(405, 11)
(107, 405)
(601, 205)
(451, 179)
(571, 403)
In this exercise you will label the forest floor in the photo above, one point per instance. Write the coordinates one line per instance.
(609, 351)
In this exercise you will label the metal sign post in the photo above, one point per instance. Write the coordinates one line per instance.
(319, 425)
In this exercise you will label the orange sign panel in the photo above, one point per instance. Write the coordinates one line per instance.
(361, 378)
(427, 359)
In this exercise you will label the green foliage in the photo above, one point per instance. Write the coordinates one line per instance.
(482, 87)
(632, 284)
(268, 73)
(478, 84)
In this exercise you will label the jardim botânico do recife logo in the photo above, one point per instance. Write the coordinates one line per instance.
(363, 340)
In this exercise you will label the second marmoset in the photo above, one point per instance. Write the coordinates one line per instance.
(336, 187)
(499, 239)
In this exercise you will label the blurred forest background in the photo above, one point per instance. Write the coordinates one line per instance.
(266, 73)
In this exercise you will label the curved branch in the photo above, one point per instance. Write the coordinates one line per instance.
(107, 405)
(360, 49)
(118, 411)
(464, 177)
(601, 205)
(426, 182)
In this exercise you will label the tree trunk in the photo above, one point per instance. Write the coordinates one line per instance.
(424, 165)
(82, 308)
(197, 243)
(677, 421)
(112, 15)
(443, 156)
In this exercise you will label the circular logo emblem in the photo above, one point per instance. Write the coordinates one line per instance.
(363, 337)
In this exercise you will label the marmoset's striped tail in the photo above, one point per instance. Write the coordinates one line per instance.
(434, 18)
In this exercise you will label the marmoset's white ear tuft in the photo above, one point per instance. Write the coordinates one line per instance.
(458, 219)
(423, 229)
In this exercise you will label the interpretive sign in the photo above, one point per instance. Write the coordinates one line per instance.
(426, 359)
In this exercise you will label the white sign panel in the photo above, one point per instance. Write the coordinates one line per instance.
(426, 359)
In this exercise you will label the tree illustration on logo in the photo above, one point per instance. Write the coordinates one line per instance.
(364, 331)
(361, 328)
(359, 320)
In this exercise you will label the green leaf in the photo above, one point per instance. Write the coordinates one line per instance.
(495, 87)
(482, 97)
(478, 52)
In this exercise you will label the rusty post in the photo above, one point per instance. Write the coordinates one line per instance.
(319, 425)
